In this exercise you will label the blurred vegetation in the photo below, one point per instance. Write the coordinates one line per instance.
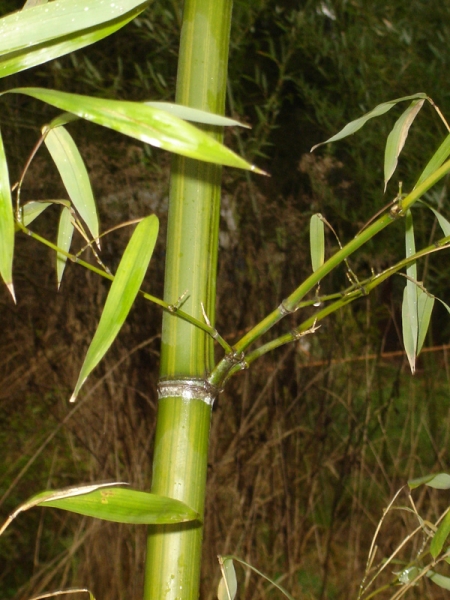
(308, 446)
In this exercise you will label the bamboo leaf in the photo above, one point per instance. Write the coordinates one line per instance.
(409, 333)
(425, 304)
(194, 114)
(65, 233)
(356, 125)
(444, 224)
(441, 481)
(272, 581)
(124, 289)
(74, 175)
(440, 580)
(440, 537)
(438, 158)
(397, 138)
(228, 583)
(45, 31)
(409, 306)
(31, 3)
(6, 223)
(109, 502)
(150, 125)
(31, 210)
(317, 241)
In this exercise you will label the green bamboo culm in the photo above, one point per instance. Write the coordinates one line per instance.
(185, 404)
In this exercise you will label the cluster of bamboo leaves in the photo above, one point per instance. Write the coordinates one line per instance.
(42, 31)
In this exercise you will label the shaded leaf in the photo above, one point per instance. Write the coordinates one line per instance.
(444, 224)
(109, 502)
(425, 304)
(31, 3)
(408, 330)
(274, 583)
(124, 289)
(31, 210)
(409, 305)
(438, 158)
(228, 583)
(194, 114)
(440, 536)
(379, 110)
(150, 125)
(74, 175)
(6, 223)
(441, 481)
(440, 580)
(65, 233)
(317, 241)
(397, 137)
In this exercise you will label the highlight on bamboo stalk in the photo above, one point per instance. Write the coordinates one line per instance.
(110, 502)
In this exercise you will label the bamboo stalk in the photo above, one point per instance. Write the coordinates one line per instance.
(185, 404)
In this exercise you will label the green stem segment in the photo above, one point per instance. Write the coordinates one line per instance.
(184, 410)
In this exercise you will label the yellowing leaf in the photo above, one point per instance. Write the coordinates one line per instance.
(124, 289)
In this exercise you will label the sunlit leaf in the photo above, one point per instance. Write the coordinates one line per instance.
(440, 580)
(317, 241)
(109, 502)
(228, 583)
(441, 481)
(440, 536)
(438, 158)
(46, 22)
(150, 125)
(74, 175)
(31, 3)
(65, 233)
(425, 304)
(193, 114)
(6, 223)
(31, 210)
(124, 289)
(397, 137)
(379, 110)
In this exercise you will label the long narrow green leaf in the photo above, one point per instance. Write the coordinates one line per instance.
(31, 210)
(397, 138)
(150, 125)
(444, 224)
(228, 583)
(409, 307)
(37, 55)
(425, 305)
(274, 583)
(65, 233)
(74, 175)
(109, 502)
(46, 22)
(440, 537)
(193, 114)
(317, 241)
(6, 223)
(379, 110)
(439, 481)
(438, 158)
(440, 580)
(124, 289)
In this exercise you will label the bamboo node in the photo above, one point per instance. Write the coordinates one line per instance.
(188, 389)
